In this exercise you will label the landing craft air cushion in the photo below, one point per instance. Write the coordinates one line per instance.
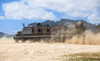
(49, 34)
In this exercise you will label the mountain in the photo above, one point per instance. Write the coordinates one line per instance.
(52, 23)
(66, 22)
(48, 22)
(98, 28)
(4, 34)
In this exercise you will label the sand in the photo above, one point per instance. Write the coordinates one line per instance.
(41, 51)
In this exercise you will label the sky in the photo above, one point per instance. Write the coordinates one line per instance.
(13, 13)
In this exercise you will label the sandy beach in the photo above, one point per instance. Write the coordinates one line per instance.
(41, 51)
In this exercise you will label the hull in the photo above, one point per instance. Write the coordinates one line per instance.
(46, 38)
(48, 34)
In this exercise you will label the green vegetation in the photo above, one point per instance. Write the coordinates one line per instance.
(85, 57)
(80, 57)
(98, 27)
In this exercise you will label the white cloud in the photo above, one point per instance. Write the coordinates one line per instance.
(1, 17)
(20, 10)
(36, 9)
(94, 18)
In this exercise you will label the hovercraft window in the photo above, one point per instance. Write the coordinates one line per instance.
(48, 30)
(39, 30)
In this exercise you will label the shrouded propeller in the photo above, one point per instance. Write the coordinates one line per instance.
(80, 25)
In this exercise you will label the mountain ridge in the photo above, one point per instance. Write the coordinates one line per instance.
(66, 22)
(5, 35)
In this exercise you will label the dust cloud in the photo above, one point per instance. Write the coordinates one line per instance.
(89, 38)
(41, 51)
(7, 40)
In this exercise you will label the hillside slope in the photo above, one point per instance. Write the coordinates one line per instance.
(66, 22)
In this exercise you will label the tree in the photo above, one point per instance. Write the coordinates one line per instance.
(98, 28)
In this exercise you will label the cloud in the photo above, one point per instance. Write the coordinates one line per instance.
(20, 10)
(38, 9)
(94, 18)
(1, 17)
